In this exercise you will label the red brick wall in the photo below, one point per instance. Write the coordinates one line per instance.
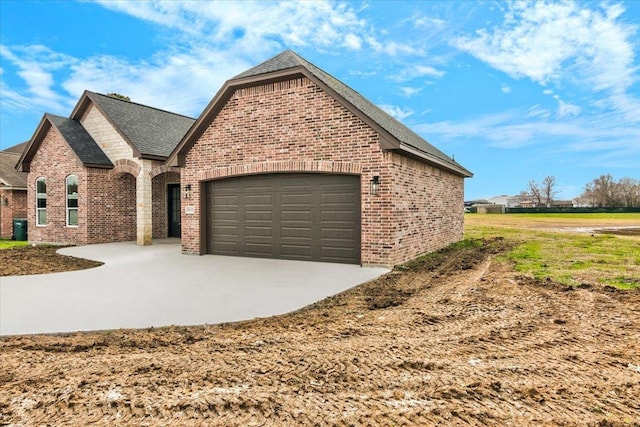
(160, 207)
(112, 209)
(428, 208)
(55, 161)
(295, 126)
(16, 208)
(107, 204)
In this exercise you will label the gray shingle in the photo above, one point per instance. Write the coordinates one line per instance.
(19, 148)
(153, 132)
(9, 176)
(80, 141)
(402, 133)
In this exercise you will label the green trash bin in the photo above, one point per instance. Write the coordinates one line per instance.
(20, 229)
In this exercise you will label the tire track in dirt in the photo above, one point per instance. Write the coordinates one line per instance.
(453, 340)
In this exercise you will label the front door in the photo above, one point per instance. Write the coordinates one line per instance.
(173, 191)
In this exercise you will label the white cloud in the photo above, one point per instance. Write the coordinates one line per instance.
(506, 89)
(538, 111)
(36, 66)
(606, 142)
(396, 111)
(317, 23)
(551, 42)
(352, 41)
(211, 42)
(417, 71)
(566, 109)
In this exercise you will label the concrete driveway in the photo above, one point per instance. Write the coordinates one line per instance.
(144, 286)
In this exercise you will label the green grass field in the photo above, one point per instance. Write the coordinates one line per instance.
(6, 244)
(556, 246)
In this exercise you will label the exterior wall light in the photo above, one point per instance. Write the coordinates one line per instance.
(186, 192)
(5, 201)
(374, 185)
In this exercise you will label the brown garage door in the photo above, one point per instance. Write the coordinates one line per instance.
(292, 216)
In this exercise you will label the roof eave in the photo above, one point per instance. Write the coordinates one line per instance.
(98, 165)
(153, 157)
(435, 161)
(24, 162)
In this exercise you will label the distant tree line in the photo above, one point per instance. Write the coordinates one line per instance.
(604, 191)
(542, 194)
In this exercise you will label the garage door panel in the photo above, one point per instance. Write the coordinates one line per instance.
(296, 217)
(293, 216)
(338, 233)
(300, 252)
(296, 232)
(252, 216)
(295, 199)
(264, 250)
(338, 198)
(258, 232)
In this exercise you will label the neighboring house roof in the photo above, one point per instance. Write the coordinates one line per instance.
(9, 176)
(16, 149)
(82, 144)
(394, 135)
(151, 132)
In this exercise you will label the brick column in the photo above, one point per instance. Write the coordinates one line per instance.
(144, 207)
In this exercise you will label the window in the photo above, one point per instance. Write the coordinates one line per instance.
(41, 201)
(72, 200)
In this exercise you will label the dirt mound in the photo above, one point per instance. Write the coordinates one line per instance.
(455, 338)
(39, 260)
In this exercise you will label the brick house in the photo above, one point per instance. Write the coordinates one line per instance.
(285, 162)
(13, 190)
(100, 175)
(288, 162)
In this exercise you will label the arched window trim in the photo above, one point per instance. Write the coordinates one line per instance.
(71, 203)
(41, 201)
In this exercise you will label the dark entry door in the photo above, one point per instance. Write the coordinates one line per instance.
(173, 191)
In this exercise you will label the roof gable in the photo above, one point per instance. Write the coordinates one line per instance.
(151, 132)
(394, 135)
(82, 144)
(9, 176)
(16, 149)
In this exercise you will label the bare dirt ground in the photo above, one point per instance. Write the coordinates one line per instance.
(39, 260)
(458, 339)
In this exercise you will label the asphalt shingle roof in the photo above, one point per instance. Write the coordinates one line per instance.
(18, 149)
(402, 133)
(9, 176)
(153, 132)
(80, 141)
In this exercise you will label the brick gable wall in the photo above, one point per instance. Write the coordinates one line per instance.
(107, 202)
(55, 161)
(294, 126)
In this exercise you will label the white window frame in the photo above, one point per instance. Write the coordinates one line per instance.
(68, 198)
(38, 198)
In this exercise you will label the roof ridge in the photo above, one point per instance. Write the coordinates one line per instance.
(141, 105)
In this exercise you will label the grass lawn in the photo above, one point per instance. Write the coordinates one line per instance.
(6, 244)
(558, 247)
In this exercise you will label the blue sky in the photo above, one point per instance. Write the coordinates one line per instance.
(514, 91)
